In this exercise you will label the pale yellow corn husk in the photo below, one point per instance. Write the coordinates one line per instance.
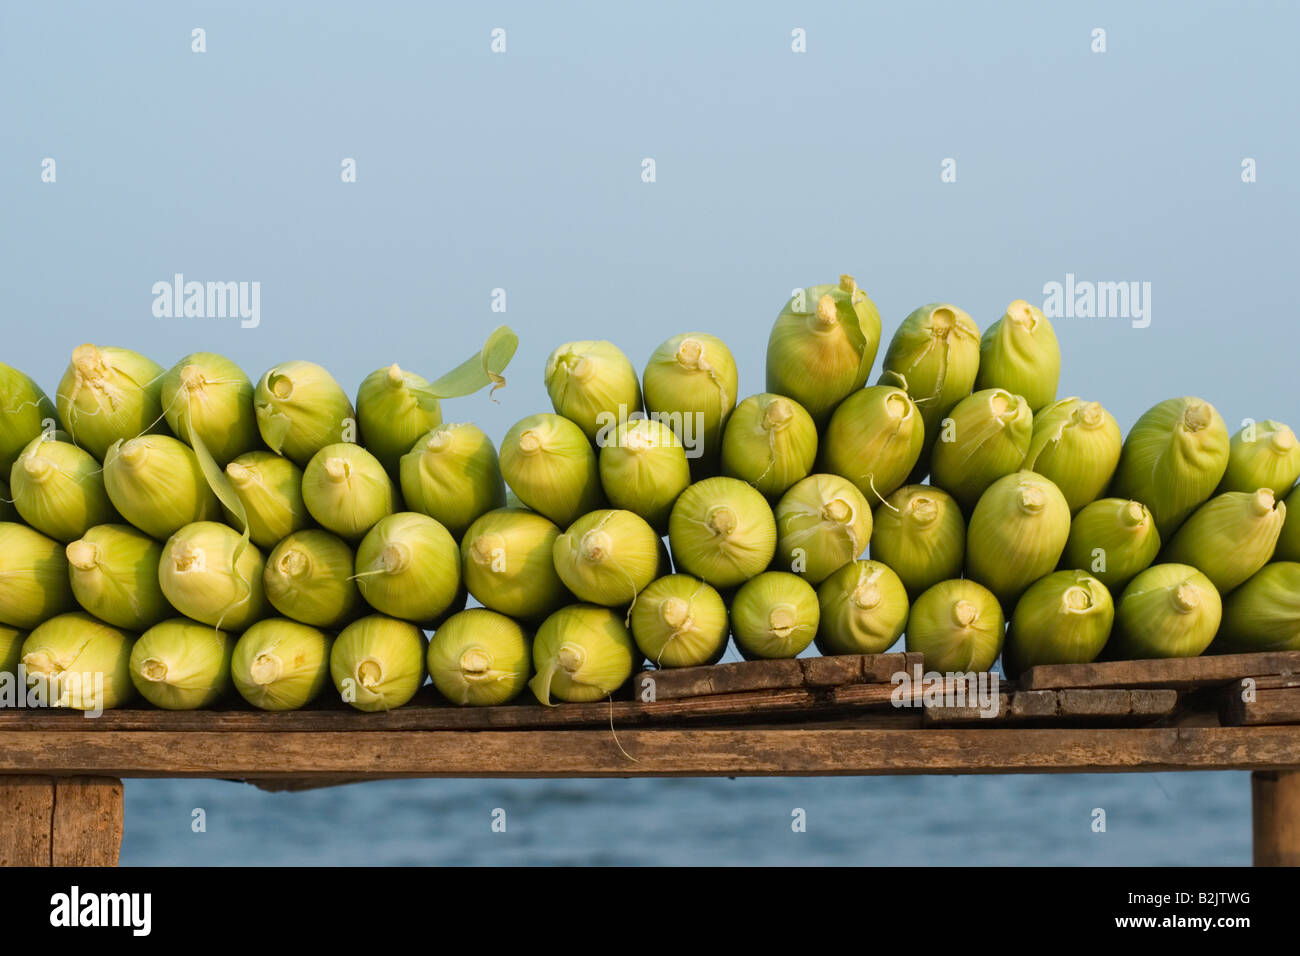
(1019, 353)
(281, 665)
(507, 559)
(1169, 610)
(113, 569)
(822, 523)
(208, 398)
(33, 577)
(1262, 455)
(643, 468)
(58, 489)
(408, 567)
(480, 658)
(155, 483)
(1264, 613)
(452, 474)
(1112, 539)
(347, 491)
(269, 487)
(607, 557)
(690, 383)
(983, 438)
(1016, 534)
(76, 661)
(1230, 537)
(300, 409)
(549, 463)
(209, 574)
(958, 625)
(309, 578)
(863, 609)
(1075, 445)
(108, 395)
(919, 532)
(1288, 541)
(377, 662)
(1063, 618)
(11, 649)
(393, 417)
(874, 439)
(25, 412)
(722, 531)
(582, 653)
(770, 442)
(594, 385)
(181, 664)
(679, 621)
(774, 616)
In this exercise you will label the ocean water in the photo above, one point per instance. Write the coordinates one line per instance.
(1169, 819)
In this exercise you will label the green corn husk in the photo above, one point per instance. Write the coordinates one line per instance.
(58, 489)
(1016, 534)
(984, 437)
(774, 616)
(408, 567)
(347, 491)
(182, 665)
(643, 468)
(208, 398)
(822, 523)
(1063, 618)
(1076, 446)
(25, 413)
(1113, 539)
(210, 574)
(874, 439)
(109, 395)
(1262, 455)
(507, 559)
(11, 649)
(301, 409)
(582, 653)
(549, 463)
(1229, 538)
(1019, 353)
(270, 489)
(823, 345)
(919, 532)
(156, 483)
(377, 663)
(78, 662)
(722, 531)
(479, 658)
(7, 510)
(33, 577)
(607, 557)
(1264, 613)
(452, 475)
(391, 416)
(593, 385)
(770, 442)
(1173, 459)
(309, 579)
(1288, 541)
(679, 621)
(863, 609)
(1169, 610)
(280, 665)
(690, 383)
(934, 357)
(113, 569)
(958, 625)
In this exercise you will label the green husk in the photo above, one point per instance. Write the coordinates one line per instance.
(58, 489)
(1169, 610)
(722, 531)
(78, 662)
(33, 577)
(452, 474)
(593, 384)
(281, 665)
(377, 663)
(822, 523)
(1230, 537)
(607, 557)
(549, 463)
(770, 442)
(479, 658)
(1264, 613)
(269, 487)
(823, 345)
(182, 665)
(874, 439)
(113, 569)
(209, 574)
(1288, 541)
(156, 483)
(508, 564)
(11, 649)
(1076, 446)
(679, 621)
(25, 413)
(958, 625)
(391, 416)
(1016, 534)
(863, 609)
(1173, 459)
(1019, 353)
(1113, 539)
(1063, 618)
(1262, 455)
(109, 395)
(919, 532)
(301, 409)
(208, 398)
(7, 510)
(347, 491)
(408, 567)
(643, 468)
(690, 382)
(309, 578)
(774, 616)
(582, 653)
(984, 437)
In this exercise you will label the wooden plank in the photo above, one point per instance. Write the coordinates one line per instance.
(741, 676)
(1153, 701)
(1073, 706)
(1281, 706)
(797, 751)
(87, 828)
(1033, 703)
(1172, 672)
(1275, 818)
(26, 820)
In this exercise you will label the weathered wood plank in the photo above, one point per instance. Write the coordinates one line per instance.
(87, 828)
(740, 676)
(1072, 706)
(1033, 703)
(798, 751)
(1280, 706)
(1275, 817)
(1173, 672)
(26, 820)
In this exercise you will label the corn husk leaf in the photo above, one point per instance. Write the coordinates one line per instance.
(774, 616)
(508, 564)
(863, 609)
(157, 484)
(1264, 613)
(919, 532)
(78, 662)
(1076, 446)
(984, 437)
(113, 569)
(480, 658)
(109, 395)
(643, 468)
(377, 663)
(33, 577)
(300, 409)
(1262, 455)
(958, 625)
(679, 621)
(269, 487)
(25, 413)
(347, 490)
(1016, 535)
(58, 489)
(309, 579)
(207, 398)
(1112, 539)
(408, 567)
(874, 439)
(391, 415)
(607, 557)
(1063, 618)
(1169, 610)
(582, 653)
(770, 442)
(594, 385)
(549, 463)
(1229, 538)
(208, 573)
(822, 523)
(690, 383)
(722, 531)
(11, 649)
(182, 665)
(281, 665)
(1019, 353)
(452, 474)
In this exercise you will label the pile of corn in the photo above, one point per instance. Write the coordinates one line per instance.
(181, 532)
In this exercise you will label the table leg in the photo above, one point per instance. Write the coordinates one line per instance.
(60, 821)
(1275, 817)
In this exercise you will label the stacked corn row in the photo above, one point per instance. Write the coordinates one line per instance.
(329, 538)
